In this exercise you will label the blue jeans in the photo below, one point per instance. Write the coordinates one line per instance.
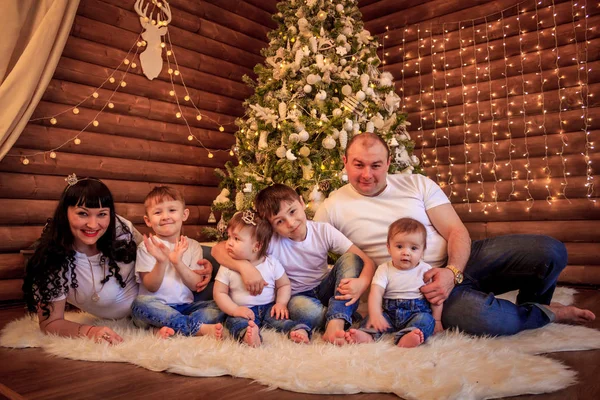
(262, 317)
(185, 319)
(404, 316)
(316, 307)
(530, 264)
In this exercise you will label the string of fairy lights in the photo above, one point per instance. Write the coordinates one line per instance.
(556, 26)
(119, 80)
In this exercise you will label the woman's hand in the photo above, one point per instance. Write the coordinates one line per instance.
(103, 334)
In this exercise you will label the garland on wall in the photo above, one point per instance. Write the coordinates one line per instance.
(510, 95)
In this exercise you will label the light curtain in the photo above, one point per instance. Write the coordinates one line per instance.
(32, 37)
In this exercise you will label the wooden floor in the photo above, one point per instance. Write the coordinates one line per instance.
(31, 374)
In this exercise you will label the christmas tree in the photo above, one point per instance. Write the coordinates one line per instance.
(319, 86)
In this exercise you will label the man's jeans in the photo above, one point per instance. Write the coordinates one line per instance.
(262, 317)
(185, 319)
(528, 263)
(316, 307)
(404, 316)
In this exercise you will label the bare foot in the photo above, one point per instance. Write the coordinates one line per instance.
(299, 336)
(571, 314)
(212, 330)
(412, 339)
(252, 338)
(357, 336)
(334, 333)
(164, 332)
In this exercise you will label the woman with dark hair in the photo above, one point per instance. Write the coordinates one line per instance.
(85, 257)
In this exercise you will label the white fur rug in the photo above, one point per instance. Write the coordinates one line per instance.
(450, 366)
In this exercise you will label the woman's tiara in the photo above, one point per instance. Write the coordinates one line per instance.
(72, 180)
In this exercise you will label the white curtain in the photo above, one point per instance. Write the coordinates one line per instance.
(33, 34)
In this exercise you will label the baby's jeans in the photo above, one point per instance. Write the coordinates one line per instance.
(316, 307)
(262, 317)
(185, 319)
(404, 316)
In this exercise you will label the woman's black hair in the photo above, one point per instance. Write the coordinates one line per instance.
(53, 262)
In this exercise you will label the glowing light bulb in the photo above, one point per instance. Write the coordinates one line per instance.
(53, 121)
(77, 141)
(52, 154)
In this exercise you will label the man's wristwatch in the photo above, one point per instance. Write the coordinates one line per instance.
(458, 275)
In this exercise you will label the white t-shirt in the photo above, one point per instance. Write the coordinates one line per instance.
(114, 301)
(398, 283)
(365, 220)
(172, 290)
(305, 262)
(270, 269)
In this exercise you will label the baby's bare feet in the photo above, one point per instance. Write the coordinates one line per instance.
(334, 333)
(358, 336)
(252, 338)
(164, 332)
(412, 339)
(212, 330)
(299, 336)
(571, 314)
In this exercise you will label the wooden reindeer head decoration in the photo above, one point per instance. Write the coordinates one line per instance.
(151, 58)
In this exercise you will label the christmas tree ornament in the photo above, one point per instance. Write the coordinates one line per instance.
(280, 152)
(290, 156)
(211, 218)
(307, 88)
(328, 143)
(304, 151)
(303, 135)
(222, 226)
(343, 139)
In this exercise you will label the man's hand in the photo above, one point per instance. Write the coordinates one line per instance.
(157, 249)
(253, 280)
(205, 272)
(280, 311)
(442, 283)
(351, 289)
(378, 322)
(243, 312)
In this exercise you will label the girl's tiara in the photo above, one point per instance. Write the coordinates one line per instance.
(72, 180)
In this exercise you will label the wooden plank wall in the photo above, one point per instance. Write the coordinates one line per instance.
(139, 143)
(442, 82)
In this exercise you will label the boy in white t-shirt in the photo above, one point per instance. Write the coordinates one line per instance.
(248, 239)
(321, 297)
(396, 284)
(164, 267)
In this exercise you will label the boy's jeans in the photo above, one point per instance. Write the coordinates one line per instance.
(262, 317)
(528, 263)
(404, 316)
(185, 319)
(316, 307)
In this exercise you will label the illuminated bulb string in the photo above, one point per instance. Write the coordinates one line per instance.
(524, 114)
(434, 134)
(492, 123)
(508, 112)
(450, 163)
(464, 119)
(420, 101)
(546, 168)
(481, 198)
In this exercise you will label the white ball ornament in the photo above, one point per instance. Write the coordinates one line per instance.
(414, 160)
(339, 8)
(307, 88)
(294, 138)
(337, 112)
(343, 61)
(335, 133)
(360, 95)
(328, 142)
(346, 90)
(369, 91)
(370, 127)
(322, 95)
(311, 79)
(303, 135)
(280, 152)
(348, 125)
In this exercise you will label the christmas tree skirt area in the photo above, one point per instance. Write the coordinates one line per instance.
(449, 365)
